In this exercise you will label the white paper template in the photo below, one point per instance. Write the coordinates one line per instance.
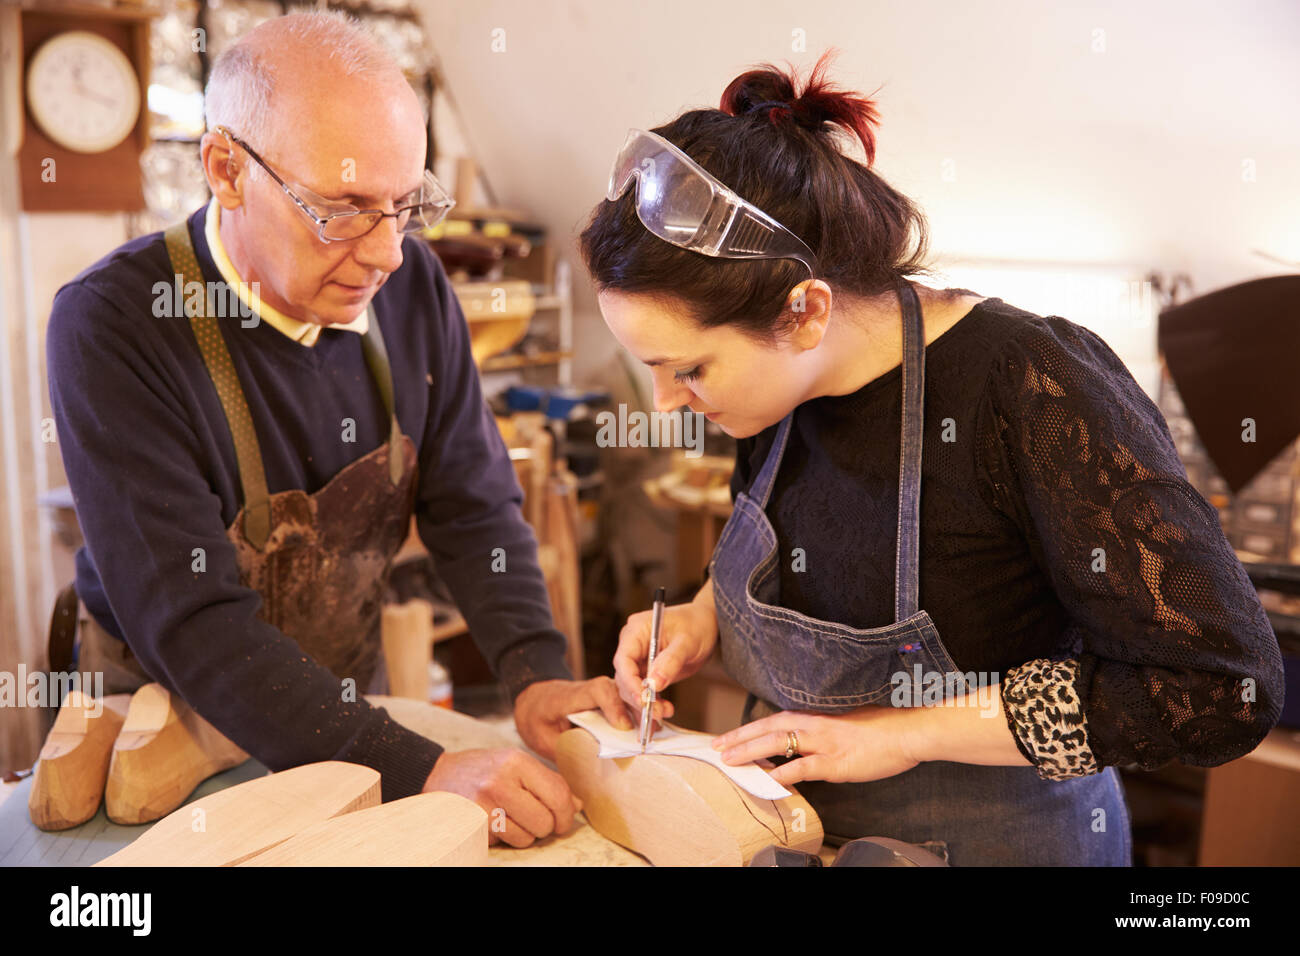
(675, 741)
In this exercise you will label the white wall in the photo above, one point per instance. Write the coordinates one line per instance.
(1111, 135)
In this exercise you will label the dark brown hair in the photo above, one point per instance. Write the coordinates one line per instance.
(787, 160)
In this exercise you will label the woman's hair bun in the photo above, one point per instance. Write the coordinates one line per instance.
(774, 91)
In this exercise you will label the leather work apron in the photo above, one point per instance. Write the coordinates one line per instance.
(969, 814)
(319, 561)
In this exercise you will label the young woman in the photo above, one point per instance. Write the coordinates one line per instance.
(965, 576)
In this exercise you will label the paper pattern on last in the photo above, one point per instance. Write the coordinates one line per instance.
(674, 741)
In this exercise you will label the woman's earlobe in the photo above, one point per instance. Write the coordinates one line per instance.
(810, 326)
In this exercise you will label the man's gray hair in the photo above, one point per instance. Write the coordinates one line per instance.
(241, 86)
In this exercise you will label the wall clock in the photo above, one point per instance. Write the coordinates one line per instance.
(83, 92)
(78, 75)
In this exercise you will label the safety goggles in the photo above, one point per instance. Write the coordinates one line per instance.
(680, 202)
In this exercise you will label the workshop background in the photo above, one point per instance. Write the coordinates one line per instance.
(1102, 161)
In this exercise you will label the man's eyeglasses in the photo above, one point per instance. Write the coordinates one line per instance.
(339, 221)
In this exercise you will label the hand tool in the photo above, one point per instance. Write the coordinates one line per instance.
(648, 691)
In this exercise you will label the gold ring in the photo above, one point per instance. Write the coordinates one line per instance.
(791, 744)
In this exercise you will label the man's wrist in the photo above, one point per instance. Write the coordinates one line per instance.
(428, 781)
(529, 686)
(520, 672)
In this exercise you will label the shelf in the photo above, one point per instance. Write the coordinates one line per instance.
(71, 8)
(502, 363)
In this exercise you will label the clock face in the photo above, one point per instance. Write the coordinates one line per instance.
(83, 92)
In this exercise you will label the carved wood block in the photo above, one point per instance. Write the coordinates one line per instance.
(244, 820)
(428, 829)
(73, 766)
(163, 751)
(679, 811)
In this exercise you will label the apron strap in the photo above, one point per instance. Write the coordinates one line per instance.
(907, 562)
(372, 344)
(216, 356)
(761, 487)
(907, 556)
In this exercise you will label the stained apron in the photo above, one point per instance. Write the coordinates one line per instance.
(319, 561)
(969, 814)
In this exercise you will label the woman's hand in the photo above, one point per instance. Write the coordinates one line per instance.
(687, 637)
(869, 743)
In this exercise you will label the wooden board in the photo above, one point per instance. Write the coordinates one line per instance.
(231, 825)
(678, 811)
(428, 829)
(163, 751)
(68, 784)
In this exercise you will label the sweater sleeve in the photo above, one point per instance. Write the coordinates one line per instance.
(469, 515)
(146, 508)
(1168, 654)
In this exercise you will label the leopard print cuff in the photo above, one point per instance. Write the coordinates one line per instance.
(1044, 713)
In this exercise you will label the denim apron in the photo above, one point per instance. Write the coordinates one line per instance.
(970, 815)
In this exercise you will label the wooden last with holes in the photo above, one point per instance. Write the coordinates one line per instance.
(679, 811)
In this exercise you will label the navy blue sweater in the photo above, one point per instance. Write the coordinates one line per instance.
(152, 467)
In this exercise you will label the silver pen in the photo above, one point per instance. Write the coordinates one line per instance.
(648, 695)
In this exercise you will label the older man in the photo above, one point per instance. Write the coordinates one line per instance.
(243, 481)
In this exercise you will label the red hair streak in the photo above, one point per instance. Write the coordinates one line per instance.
(819, 102)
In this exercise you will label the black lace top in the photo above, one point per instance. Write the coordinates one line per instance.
(1063, 551)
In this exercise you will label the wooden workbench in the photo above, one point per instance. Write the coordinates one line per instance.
(22, 844)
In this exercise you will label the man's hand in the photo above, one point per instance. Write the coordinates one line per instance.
(524, 801)
(542, 709)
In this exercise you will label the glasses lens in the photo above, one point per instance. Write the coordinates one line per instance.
(417, 217)
(350, 225)
(625, 167)
(681, 202)
(672, 199)
(625, 163)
